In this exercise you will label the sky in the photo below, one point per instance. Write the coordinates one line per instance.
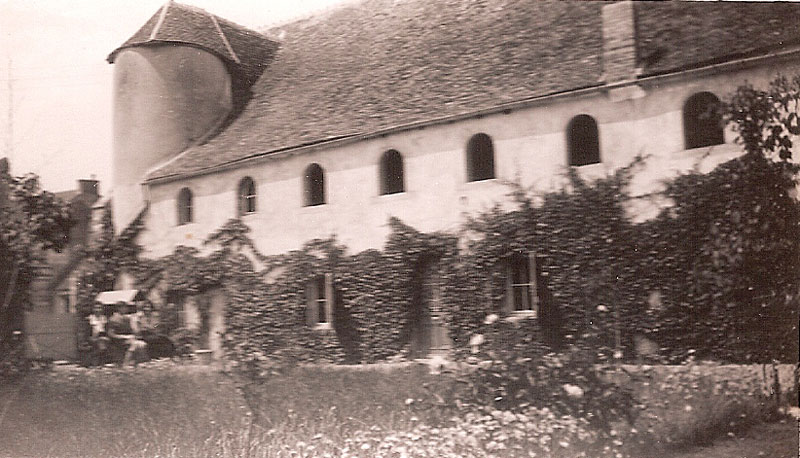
(56, 86)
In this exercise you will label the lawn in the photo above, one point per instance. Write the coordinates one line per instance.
(166, 409)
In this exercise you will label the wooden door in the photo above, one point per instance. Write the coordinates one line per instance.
(429, 332)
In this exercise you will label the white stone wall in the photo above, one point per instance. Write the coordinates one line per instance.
(165, 98)
(530, 147)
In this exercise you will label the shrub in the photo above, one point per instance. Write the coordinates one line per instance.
(510, 369)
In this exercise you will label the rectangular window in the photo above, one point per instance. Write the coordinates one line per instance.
(322, 316)
(319, 301)
(521, 294)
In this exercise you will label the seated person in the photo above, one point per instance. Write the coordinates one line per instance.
(158, 345)
(98, 338)
(123, 329)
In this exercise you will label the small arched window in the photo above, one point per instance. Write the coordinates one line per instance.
(185, 215)
(246, 196)
(314, 186)
(392, 180)
(702, 123)
(583, 141)
(480, 158)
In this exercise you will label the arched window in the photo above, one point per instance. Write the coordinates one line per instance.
(247, 196)
(392, 172)
(702, 123)
(314, 185)
(583, 141)
(480, 158)
(185, 206)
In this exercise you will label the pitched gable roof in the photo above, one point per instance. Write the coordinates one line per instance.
(378, 64)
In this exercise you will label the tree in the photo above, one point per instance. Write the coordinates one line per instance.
(767, 223)
(766, 119)
(31, 220)
(739, 234)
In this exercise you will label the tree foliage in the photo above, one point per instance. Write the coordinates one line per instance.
(766, 119)
(32, 220)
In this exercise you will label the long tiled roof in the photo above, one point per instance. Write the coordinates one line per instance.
(379, 64)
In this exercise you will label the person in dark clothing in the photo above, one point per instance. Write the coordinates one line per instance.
(122, 329)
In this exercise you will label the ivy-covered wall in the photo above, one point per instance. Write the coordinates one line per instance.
(717, 274)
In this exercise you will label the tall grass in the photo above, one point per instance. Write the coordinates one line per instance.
(188, 411)
(167, 410)
(120, 413)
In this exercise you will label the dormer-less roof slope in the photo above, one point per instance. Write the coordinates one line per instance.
(672, 36)
(378, 64)
(243, 49)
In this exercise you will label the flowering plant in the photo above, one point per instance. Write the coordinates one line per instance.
(510, 369)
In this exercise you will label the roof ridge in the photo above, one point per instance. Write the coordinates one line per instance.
(224, 39)
(309, 16)
(161, 19)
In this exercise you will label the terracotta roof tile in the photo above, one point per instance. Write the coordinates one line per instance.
(379, 64)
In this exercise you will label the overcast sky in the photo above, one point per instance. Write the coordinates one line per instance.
(54, 52)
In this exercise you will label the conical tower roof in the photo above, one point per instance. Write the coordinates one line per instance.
(245, 49)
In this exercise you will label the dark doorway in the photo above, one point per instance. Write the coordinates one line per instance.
(428, 330)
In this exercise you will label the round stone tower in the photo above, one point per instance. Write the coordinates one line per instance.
(166, 98)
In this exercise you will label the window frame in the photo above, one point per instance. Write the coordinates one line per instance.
(529, 285)
(314, 186)
(480, 158)
(319, 297)
(246, 200)
(583, 141)
(702, 125)
(392, 173)
(185, 206)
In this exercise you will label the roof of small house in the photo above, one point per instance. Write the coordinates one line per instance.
(379, 64)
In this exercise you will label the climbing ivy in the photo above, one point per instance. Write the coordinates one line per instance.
(716, 274)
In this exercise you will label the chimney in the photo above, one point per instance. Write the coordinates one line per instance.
(619, 42)
(89, 188)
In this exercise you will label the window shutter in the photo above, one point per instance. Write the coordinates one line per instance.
(329, 297)
(532, 278)
(311, 302)
(508, 300)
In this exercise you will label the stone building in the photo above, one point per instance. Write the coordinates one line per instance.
(420, 109)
